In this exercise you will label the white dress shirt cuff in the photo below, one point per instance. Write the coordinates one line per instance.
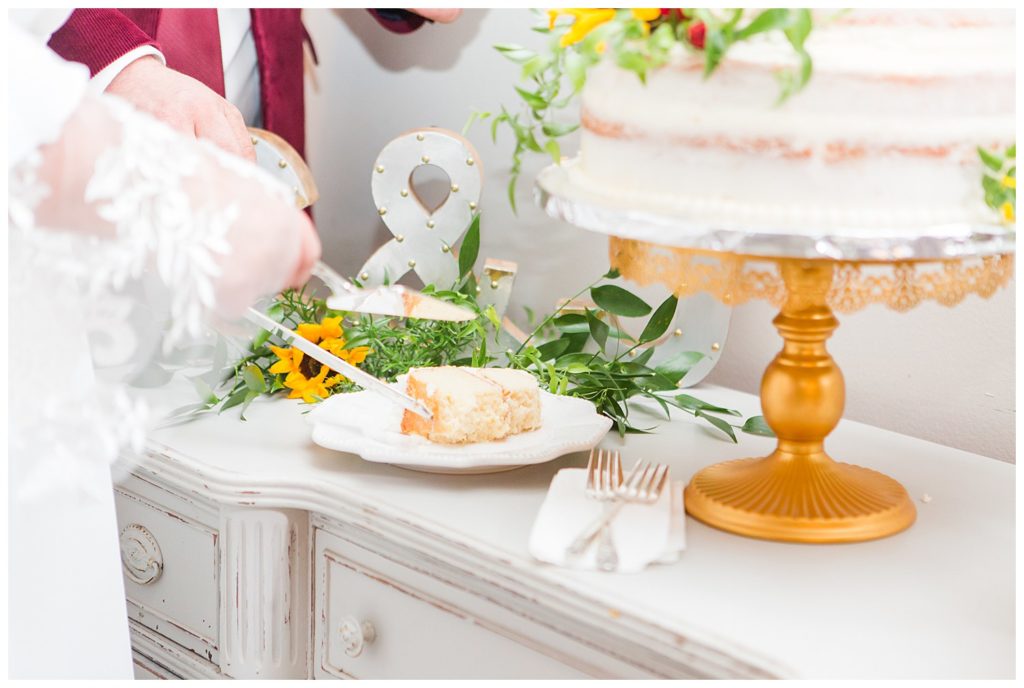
(103, 77)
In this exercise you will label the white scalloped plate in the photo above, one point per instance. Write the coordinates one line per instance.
(366, 424)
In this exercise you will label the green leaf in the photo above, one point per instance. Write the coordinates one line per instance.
(678, 366)
(205, 392)
(571, 322)
(235, 399)
(685, 401)
(768, 20)
(633, 61)
(245, 403)
(470, 248)
(260, 339)
(720, 424)
(598, 329)
(553, 349)
(617, 300)
(577, 340)
(535, 65)
(512, 192)
(644, 358)
(756, 425)
(554, 150)
(1011, 152)
(576, 69)
(515, 53)
(254, 379)
(799, 27)
(995, 192)
(991, 160)
(571, 359)
(558, 129)
(661, 320)
(534, 100)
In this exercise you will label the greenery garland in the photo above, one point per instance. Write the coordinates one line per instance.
(575, 354)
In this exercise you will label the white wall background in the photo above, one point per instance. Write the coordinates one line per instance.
(946, 375)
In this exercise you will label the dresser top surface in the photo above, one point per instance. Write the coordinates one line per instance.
(934, 601)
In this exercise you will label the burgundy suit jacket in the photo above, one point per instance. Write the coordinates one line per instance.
(97, 37)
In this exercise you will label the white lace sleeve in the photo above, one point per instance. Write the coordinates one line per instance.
(121, 195)
(124, 239)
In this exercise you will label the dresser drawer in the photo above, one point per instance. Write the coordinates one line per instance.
(407, 633)
(169, 558)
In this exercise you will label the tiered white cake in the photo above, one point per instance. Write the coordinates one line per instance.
(883, 135)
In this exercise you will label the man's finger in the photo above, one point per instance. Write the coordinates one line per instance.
(237, 124)
(214, 127)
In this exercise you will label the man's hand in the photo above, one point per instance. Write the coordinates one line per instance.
(443, 16)
(185, 104)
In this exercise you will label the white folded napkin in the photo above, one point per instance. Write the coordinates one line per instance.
(642, 533)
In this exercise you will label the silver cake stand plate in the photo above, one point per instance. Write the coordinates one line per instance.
(560, 197)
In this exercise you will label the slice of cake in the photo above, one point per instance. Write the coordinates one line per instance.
(472, 404)
(521, 396)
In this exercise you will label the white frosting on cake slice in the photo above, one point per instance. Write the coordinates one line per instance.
(471, 404)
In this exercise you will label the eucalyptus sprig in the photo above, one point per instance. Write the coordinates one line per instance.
(594, 360)
(575, 354)
(552, 79)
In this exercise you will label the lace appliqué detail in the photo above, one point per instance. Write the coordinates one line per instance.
(138, 188)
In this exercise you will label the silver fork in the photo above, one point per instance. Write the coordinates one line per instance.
(604, 477)
(643, 485)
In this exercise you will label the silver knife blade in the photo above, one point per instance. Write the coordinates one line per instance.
(361, 377)
(386, 300)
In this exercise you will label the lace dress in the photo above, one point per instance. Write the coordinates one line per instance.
(123, 238)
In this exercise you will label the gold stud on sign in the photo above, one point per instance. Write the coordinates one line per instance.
(408, 218)
(380, 169)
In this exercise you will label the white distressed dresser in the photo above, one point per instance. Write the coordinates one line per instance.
(251, 553)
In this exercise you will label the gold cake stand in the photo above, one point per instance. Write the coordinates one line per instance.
(798, 493)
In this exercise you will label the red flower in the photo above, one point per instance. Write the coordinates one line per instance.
(696, 35)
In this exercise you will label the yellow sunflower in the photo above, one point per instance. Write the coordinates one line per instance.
(289, 362)
(307, 378)
(311, 389)
(584, 21)
(329, 328)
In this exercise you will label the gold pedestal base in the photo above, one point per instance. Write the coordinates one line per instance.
(798, 493)
(799, 499)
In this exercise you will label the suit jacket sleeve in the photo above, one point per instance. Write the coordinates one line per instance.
(399, 21)
(97, 37)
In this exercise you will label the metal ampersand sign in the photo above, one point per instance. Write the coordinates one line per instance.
(423, 239)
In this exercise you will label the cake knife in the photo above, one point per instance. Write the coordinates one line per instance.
(336, 364)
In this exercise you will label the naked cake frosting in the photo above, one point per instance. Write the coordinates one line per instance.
(884, 134)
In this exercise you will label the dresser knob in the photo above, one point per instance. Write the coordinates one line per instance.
(140, 555)
(356, 635)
